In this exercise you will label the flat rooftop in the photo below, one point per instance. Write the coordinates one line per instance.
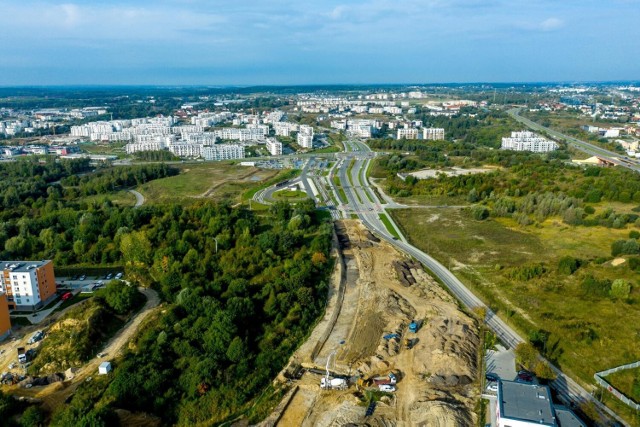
(21, 266)
(566, 418)
(526, 402)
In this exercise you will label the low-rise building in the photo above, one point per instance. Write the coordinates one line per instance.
(524, 405)
(407, 133)
(28, 284)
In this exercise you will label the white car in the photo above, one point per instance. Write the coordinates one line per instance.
(387, 387)
(493, 386)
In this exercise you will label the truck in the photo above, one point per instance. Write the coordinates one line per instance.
(388, 380)
(414, 326)
(37, 336)
(333, 383)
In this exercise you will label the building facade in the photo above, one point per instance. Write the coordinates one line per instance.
(223, 152)
(28, 285)
(274, 147)
(528, 141)
(305, 136)
(5, 320)
(433, 134)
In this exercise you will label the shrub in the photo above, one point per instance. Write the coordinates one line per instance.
(527, 272)
(589, 210)
(480, 213)
(568, 265)
(625, 247)
(595, 287)
(634, 234)
(620, 289)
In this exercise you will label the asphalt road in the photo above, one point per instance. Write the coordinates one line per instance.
(583, 146)
(139, 198)
(368, 212)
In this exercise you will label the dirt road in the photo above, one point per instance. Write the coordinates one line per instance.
(55, 394)
(384, 292)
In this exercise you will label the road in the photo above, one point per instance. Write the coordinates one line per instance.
(369, 213)
(139, 198)
(583, 146)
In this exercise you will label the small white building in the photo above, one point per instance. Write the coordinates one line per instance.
(104, 368)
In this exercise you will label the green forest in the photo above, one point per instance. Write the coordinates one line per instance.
(240, 290)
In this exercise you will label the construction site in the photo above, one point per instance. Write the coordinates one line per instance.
(393, 348)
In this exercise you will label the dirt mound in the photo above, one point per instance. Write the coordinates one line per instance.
(436, 413)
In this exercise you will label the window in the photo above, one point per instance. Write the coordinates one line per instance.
(27, 300)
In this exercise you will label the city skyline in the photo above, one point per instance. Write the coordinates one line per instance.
(280, 43)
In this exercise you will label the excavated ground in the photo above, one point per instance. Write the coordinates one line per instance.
(384, 291)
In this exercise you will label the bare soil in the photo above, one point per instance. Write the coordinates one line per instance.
(384, 291)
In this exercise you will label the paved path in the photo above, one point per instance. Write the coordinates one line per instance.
(139, 198)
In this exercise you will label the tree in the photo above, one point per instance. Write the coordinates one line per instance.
(120, 296)
(480, 213)
(526, 355)
(32, 417)
(568, 265)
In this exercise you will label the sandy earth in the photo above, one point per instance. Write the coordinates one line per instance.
(55, 394)
(437, 377)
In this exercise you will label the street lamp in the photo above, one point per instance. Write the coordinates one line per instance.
(216, 244)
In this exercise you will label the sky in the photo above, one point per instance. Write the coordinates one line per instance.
(287, 42)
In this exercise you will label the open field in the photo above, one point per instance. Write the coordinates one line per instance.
(627, 381)
(120, 198)
(586, 333)
(214, 181)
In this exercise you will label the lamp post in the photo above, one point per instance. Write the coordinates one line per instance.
(216, 244)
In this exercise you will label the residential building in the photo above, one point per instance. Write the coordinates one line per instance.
(434, 134)
(274, 147)
(305, 136)
(223, 152)
(5, 320)
(528, 141)
(186, 149)
(28, 284)
(407, 133)
(524, 405)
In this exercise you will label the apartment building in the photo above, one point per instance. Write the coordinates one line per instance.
(5, 320)
(407, 133)
(305, 136)
(434, 134)
(528, 141)
(223, 152)
(274, 147)
(186, 149)
(28, 284)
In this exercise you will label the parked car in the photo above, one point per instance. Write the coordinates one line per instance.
(83, 277)
(524, 377)
(493, 386)
(66, 296)
(387, 388)
(119, 276)
(108, 276)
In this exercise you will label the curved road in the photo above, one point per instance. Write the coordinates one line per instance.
(368, 213)
(139, 198)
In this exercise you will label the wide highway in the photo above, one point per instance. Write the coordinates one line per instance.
(583, 146)
(360, 204)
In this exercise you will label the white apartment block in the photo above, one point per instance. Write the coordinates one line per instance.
(274, 147)
(285, 128)
(528, 141)
(183, 149)
(339, 124)
(305, 136)
(434, 134)
(407, 133)
(273, 117)
(223, 152)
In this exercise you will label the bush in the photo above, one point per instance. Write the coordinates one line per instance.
(33, 416)
(568, 265)
(634, 234)
(620, 289)
(625, 247)
(527, 272)
(595, 287)
(480, 213)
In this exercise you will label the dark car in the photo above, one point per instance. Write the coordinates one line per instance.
(492, 377)
(524, 377)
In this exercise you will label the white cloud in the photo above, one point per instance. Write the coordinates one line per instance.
(551, 24)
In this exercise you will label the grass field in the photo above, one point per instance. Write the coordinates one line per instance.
(587, 333)
(212, 181)
(624, 381)
(390, 228)
(290, 195)
(120, 198)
